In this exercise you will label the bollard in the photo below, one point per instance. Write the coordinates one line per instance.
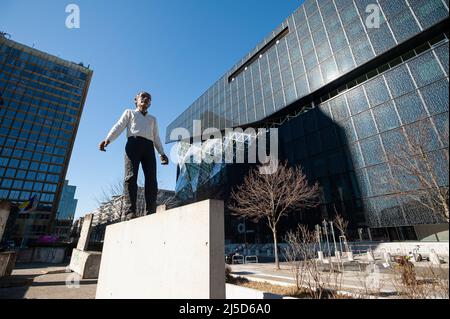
(350, 256)
(434, 259)
(370, 256)
(320, 254)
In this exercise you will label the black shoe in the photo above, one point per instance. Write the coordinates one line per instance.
(130, 216)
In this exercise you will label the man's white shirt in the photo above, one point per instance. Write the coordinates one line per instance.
(137, 124)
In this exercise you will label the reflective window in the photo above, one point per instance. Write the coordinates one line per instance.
(441, 122)
(344, 60)
(372, 151)
(404, 25)
(364, 125)
(310, 60)
(338, 107)
(323, 51)
(18, 184)
(347, 132)
(386, 117)
(442, 53)
(392, 8)
(289, 92)
(389, 211)
(393, 141)
(354, 30)
(422, 133)
(314, 78)
(302, 85)
(399, 81)
(436, 97)
(362, 50)
(377, 91)
(410, 108)
(338, 41)
(346, 10)
(327, 8)
(306, 44)
(329, 69)
(380, 180)
(21, 174)
(6, 183)
(425, 69)
(363, 182)
(10, 173)
(429, 11)
(315, 21)
(297, 68)
(310, 7)
(28, 186)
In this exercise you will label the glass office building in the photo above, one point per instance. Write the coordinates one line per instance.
(66, 211)
(346, 82)
(42, 99)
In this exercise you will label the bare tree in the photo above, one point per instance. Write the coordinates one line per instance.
(301, 255)
(342, 224)
(108, 192)
(272, 196)
(111, 201)
(419, 165)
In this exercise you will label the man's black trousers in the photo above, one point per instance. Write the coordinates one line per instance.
(140, 150)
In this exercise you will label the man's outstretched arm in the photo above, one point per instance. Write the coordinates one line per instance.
(116, 130)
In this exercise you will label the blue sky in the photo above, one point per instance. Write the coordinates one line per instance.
(174, 49)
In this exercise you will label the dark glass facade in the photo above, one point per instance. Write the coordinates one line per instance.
(343, 95)
(42, 100)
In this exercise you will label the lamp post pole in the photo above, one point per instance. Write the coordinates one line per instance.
(326, 234)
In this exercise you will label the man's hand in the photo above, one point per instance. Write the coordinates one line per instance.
(164, 159)
(103, 144)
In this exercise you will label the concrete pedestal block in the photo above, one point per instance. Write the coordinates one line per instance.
(7, 263)
(85, 263)
(174, 255)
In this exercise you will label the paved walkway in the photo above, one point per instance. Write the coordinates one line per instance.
(49, 281)
(351, 281)
(45, 281)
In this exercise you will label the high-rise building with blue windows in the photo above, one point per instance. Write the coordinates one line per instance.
(347, 83)
(42, 98)
(66, 211)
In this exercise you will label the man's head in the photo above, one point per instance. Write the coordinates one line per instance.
(143, 101)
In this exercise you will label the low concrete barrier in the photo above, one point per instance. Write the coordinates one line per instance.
(85, 263)
(174, 254)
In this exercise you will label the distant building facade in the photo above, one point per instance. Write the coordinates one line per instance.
(66, 211)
